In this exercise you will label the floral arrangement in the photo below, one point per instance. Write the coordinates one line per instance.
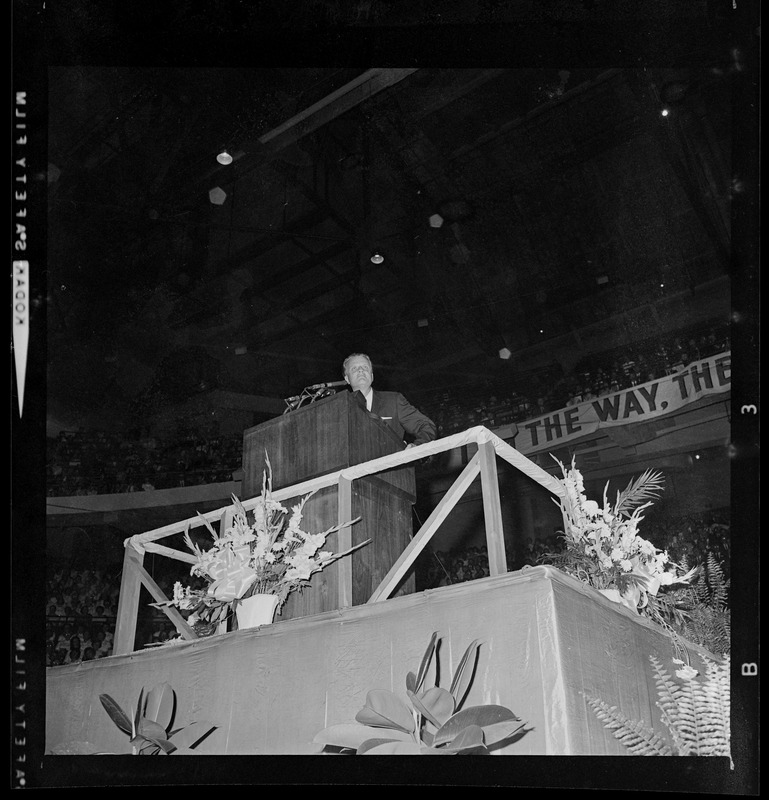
(603, 547)
(270, 554)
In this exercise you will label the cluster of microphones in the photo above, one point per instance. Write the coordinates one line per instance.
(312, 393)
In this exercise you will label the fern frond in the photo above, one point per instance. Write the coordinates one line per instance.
(646, 487)
(716, 582)
(668, 693)
(695, 712)
(635, 736)
(716, 708)
(688, 726)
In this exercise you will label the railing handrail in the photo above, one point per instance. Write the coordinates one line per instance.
(474, 435)
(482, 463)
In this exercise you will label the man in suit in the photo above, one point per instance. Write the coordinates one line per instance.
(391, 407)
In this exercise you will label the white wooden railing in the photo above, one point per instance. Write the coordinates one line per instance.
(482, 463)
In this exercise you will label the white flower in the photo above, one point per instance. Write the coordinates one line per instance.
(646, 547)
(667, 577)
(604, 530)
(617, 554)
(301, 567)
(628, 540)
(687, 672)
(314, 541)
(590, 507)
(626, 565)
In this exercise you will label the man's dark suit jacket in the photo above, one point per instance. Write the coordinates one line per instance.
(400, 416)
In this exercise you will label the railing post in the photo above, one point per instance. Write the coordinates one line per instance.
(128, 602)
(425, 533)
(344, 542)
(492, 509)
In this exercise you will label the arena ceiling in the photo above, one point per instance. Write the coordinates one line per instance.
(466, 180)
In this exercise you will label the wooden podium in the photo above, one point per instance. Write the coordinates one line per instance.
(328, 435)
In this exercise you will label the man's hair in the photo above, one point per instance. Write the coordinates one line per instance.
(351, 357)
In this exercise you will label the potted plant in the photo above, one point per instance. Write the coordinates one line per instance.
(151, 729)
(255, 564)
(604, 550)
(432, 722)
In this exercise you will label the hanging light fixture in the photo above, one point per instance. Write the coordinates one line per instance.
(217, 196)
(224, 158)
(377, 257)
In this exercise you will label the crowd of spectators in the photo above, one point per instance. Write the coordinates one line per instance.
(96, 462)
(691, 538)
(596, 376)
(82, 611)
(688, 539)
(467, 563)
(80, 614)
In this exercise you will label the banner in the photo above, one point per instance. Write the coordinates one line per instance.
(639, 403)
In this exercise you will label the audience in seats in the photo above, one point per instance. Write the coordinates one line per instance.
(688, 539)
(83, 462)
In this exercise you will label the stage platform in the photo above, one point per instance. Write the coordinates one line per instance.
(545, 640)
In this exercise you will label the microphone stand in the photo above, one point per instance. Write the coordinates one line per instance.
(308, 395)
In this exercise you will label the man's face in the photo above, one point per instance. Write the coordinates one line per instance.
(359, 374)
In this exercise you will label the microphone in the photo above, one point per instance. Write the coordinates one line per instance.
(328, 385)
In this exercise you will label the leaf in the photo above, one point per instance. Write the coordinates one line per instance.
(426, 661)
(648, 485)
(384, 710)
(463, 676)
(191, 735)
(150, 730)
(116, 714)
(137, 714)
(425, 712)
(395, 749)
(352, 735)
(498, 731)
(209, 526)
(469, 738)
(483, 716)
(436, 704)
(158, 741)
(411, 682)
(160, 705)
(369, 744)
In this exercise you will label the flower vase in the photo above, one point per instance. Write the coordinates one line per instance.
(259, 609)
